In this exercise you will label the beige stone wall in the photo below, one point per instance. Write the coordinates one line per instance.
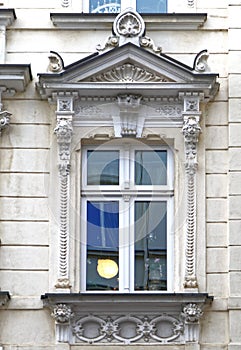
(27, 215)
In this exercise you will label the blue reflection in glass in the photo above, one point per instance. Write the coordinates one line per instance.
(151, 6)
(102, 242)
(105, 6)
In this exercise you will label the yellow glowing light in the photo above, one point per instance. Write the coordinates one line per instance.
(107, 268)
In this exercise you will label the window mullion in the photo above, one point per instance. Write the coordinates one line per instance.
(128, 3)
(124, 257)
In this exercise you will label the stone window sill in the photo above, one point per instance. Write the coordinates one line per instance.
(170, 21)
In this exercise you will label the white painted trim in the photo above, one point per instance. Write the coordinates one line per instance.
(126, 195)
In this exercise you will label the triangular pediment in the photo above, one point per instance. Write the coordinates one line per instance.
(128, 63)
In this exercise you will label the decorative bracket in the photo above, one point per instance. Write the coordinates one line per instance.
(191, 315)
(130, 124)
(62, 314)
(191, 130)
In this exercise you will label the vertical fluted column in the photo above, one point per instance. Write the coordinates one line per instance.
(191, 130)
(64, 131)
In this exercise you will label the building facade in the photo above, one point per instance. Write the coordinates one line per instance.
(120, 175)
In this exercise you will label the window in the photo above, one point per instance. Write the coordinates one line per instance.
(113, 6)
(127, 193)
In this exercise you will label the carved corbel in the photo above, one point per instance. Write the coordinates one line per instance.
(64, 132)
(191, 315)
(130, 124)
(191, 130)
(62, 315)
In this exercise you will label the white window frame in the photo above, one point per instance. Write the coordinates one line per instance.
(120, 193)
(130, 3)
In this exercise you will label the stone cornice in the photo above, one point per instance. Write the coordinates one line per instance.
(7, 17)
(15, 77)
(170, 21)
(139, 301)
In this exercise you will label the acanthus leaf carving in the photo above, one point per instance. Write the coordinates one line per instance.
(191, 130)
(64, 131)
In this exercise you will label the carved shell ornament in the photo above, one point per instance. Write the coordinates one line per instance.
(129, 24)
(128, 73)
(129, 27)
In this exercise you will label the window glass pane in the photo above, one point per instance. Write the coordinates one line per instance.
(150, 245)
(104, 6)
(102, 245)
(151, 167)
(102, 167)
(151, 6)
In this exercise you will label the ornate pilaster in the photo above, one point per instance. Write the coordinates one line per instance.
(62, 314)
(191, 314)
(191, 130)
(64, 131)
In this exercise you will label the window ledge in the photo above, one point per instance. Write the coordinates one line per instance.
(127, 318)
(170, 21)
(4, 298)
(14, 78)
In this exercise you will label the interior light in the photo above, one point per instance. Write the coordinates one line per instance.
(107, 268)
